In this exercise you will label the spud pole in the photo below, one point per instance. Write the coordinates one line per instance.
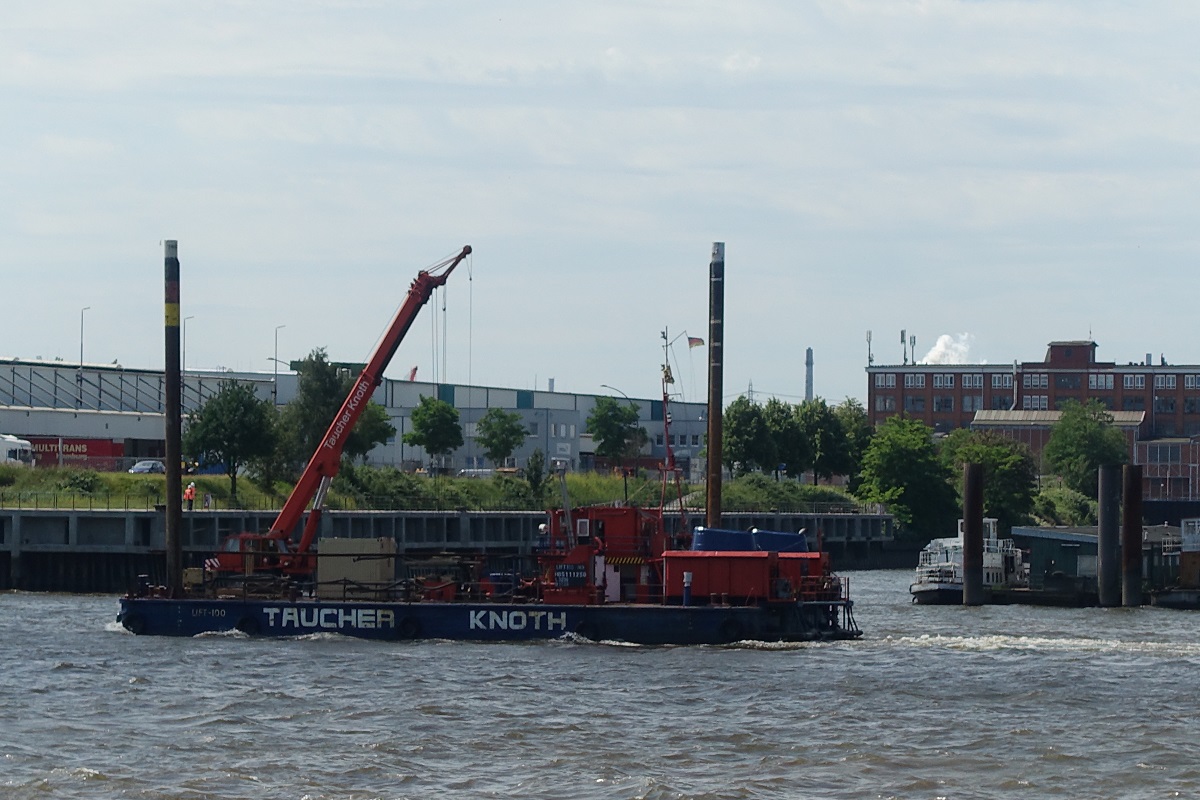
(171, 392)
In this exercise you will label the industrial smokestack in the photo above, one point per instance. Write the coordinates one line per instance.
(808, 375)
(716, 347)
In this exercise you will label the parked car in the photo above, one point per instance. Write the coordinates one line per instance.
(148, 466)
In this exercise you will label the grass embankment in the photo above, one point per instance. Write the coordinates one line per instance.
(385, 488)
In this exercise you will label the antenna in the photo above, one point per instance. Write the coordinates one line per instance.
(912, 347)
(870, 358)
(904, 344)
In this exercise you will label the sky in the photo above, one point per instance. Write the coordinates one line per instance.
(987, 176)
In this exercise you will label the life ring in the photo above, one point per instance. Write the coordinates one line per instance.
(732, 631)
(247, 625)
(134, 623)
(409, 628)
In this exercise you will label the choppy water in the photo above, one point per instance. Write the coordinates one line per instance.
(991, 702)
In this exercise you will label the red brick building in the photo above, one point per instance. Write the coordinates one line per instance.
(1157, 405)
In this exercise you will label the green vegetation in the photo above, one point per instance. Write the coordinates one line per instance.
(1009, 473)
(614, 428)
(1059, 505)
(435, 427)
(1083, 440)
(231, 429)
(66, 487)
(902, 468)
(321, 390)
(748, 444)
(762, 493)
(499, 433)
(386, 488)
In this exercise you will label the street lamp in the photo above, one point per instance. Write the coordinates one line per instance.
(624, 471)
(275, 379)
(183, 357)
(79, 376)
(85, 308)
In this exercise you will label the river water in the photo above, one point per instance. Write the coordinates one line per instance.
(991, 702)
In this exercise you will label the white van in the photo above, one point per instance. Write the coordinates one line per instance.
(15, 451)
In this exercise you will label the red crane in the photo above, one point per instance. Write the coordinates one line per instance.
(251, 552)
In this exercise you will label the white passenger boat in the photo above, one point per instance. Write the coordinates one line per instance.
(939, 579)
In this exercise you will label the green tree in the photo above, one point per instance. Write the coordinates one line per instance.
(1009, 472)
(1083, 440)
(535, 472)
(792, 448)
(615, 430)
(827, 440)
(500, 432)
(233, 427)
(435, 427)
(747, 442)
(321, 390)
(901, 468)
(858, 431)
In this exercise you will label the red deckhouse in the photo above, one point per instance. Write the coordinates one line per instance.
(1156, 404)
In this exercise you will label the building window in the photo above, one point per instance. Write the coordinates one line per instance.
(973, 381)
(914, 404)
(1100, 381)
(1035, 402)
(533, 429)
(1002, 381)
(658, 440)
(915, 381)
(1067, 381)
(943, 402)
(1135, 381)
(1191, 405)
(1133, 404)
(1165, 405)
(886, 380)
(1164, 381)
(885, 402)
(1001, 402)
(695, 440)
(1191, 381)
(973, 402)
(943, 381)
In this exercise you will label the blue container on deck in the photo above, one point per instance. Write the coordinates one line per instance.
(779, 541)
(722, 540)
(502, 583)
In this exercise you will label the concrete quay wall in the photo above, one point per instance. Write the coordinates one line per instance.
(105, 551)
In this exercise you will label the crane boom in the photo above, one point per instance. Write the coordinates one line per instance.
(326, 461)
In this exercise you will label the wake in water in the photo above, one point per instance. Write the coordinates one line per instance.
(1046, 644)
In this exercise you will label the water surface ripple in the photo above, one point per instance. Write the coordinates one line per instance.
(993, 702)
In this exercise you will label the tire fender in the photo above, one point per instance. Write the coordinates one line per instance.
(408, 628)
